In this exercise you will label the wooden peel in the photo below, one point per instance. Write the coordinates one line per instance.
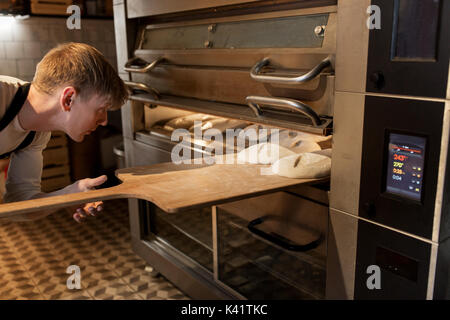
(172, 187)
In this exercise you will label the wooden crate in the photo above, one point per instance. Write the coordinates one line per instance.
(4, 4)
(56, 171)
(109, 8)
(50, 7)
(3, 164)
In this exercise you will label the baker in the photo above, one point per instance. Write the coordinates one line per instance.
(73, 89)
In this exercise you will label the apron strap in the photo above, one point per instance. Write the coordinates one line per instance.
(12, 111)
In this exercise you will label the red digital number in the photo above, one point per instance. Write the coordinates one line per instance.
(400, 157)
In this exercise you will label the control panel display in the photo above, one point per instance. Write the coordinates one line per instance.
(405, 165)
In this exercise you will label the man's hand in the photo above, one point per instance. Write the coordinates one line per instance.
(89, 209)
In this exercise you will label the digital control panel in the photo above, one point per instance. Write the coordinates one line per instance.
(405, 167)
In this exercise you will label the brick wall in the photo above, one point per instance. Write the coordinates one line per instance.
(23, 43)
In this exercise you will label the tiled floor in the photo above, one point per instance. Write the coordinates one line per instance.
(34, 257)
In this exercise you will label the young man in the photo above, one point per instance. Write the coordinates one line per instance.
(72, 91)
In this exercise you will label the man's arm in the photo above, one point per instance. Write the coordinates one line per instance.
(24, 182)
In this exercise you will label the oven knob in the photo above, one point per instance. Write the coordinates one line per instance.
(212, 28)
(319, 31)
(377, 78)
(370, 209)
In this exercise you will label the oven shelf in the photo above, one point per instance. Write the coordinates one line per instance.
(287, 120)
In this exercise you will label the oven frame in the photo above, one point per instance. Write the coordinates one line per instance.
(185, 273)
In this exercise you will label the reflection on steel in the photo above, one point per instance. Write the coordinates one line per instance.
(254, 102)
(129, 67)
(314, 72)
(143, 87)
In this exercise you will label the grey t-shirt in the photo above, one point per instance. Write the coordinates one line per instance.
(25, 167)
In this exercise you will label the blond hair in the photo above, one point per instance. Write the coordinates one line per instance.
(83, 67)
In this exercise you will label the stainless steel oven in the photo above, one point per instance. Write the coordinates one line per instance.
(304, 67)
(388, 200)
(237, 66)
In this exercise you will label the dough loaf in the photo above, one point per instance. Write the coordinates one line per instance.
(301, 146)
(305, 165)
(263, 153)
(186, 122)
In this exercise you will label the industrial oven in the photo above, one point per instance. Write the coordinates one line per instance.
(388, 199)
(315, 68)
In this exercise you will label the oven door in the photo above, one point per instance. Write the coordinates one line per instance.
(412, 40)
(273, 246)
(267, 247)
(276, 241)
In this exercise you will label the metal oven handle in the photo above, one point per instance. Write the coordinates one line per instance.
(314, 72)
(137, 69)
(254, 102)
(143, 87)
(279, 240)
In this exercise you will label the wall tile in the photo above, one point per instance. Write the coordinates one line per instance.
(8, 67)
(108, 35)
(26, 67)
(32, 50)
(14, 50)
(2, 51)
(93, 35)
(41, 33)
(47, 46)
(102, 47)
(23, 32)
(75, 35)
(28, 78)
(58, 34)
(6, 32)
(112, 49)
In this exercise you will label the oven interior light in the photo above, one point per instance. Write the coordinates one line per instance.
(11, 17)
(6, 20)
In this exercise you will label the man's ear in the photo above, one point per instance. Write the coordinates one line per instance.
(67, 97)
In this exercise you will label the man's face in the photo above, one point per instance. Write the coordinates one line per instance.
(86, 115)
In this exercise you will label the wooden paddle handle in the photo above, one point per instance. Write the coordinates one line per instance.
(55, 202)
